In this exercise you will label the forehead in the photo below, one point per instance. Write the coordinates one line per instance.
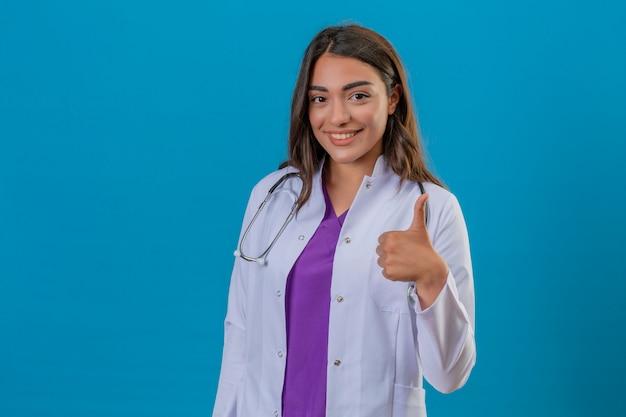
(333, 70)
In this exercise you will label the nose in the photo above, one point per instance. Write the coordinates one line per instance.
(339, 114)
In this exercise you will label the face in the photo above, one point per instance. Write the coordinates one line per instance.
(348, 109)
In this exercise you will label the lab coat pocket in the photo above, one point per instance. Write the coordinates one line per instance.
(408, 401)
(390, 296)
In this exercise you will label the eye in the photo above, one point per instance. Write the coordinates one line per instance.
(317, 99)
(359, 96)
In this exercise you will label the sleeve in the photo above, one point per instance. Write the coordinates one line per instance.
(445, 330)
(234, 350)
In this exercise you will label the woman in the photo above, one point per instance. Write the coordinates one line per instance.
(368, 288)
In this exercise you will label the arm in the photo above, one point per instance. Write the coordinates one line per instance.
(446, 327)
(440, 266)
(234, 354)
(234, 351)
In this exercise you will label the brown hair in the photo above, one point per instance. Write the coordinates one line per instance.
(401, 140)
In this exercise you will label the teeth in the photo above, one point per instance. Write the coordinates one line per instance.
(342, 136)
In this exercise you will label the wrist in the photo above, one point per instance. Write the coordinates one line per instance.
(437, 276)
(428, 288)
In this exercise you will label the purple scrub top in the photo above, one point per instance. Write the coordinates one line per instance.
(307, 308)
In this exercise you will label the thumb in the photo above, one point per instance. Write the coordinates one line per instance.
(419, 214)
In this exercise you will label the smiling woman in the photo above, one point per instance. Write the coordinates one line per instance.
(348, 112)
(368, 289)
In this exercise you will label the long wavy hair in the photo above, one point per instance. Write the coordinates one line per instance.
(401, 140)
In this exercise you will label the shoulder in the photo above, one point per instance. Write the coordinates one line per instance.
(265, 183)
(263, 186)
(439, 195)
(444, 207)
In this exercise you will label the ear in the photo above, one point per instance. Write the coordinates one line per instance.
(394, 98)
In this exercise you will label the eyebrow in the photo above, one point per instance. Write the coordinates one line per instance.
(344, 88)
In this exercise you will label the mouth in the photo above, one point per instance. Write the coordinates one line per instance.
(342, 135)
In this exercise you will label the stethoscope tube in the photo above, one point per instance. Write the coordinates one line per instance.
(261, 259)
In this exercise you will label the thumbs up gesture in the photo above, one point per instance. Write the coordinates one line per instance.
(409, 255)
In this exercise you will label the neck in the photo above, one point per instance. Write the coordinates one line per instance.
(343, 182)
(349, 172)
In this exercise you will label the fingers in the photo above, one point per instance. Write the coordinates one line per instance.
(386, 251)
(419, 213)
(401, 252)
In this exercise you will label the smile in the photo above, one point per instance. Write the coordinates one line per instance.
(343, 136)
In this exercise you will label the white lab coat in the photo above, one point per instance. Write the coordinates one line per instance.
(380, 342)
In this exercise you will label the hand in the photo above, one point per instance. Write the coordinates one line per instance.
(409, 255)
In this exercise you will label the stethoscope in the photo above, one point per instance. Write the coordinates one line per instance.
(262, 258)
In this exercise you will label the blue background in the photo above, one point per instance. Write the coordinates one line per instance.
(132, 131)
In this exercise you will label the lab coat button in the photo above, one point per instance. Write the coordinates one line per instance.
(340, 299)
(280, 353)
(337, 362)
(301, 237)
(347, 240)
(276, 413)
(278, 293)
(368, 185)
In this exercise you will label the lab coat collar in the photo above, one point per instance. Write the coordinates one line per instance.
(381, 169)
